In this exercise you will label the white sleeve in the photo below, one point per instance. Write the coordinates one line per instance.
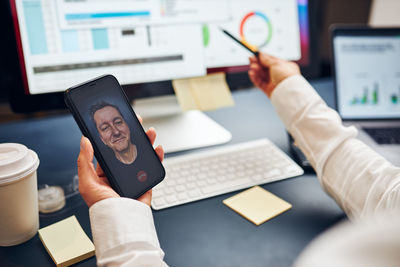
(361, 181)
(124, 233)
(368, 242)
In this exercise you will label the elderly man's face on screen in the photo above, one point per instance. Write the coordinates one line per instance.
(114, 132)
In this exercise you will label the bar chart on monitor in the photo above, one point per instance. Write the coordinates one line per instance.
(148, 40)
(133, 53)
(120, 13)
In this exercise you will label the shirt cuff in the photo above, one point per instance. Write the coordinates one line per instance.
(117, 221)
(291, 96)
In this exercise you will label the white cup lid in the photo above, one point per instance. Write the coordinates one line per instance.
(16, 162)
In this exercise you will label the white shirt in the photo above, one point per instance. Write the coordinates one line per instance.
(364, 184)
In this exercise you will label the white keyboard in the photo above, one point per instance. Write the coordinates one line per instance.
(221, 170)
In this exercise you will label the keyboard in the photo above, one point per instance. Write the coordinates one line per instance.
(384, 136)
(221, 170)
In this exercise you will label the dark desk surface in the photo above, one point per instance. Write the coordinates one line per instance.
(203, 233)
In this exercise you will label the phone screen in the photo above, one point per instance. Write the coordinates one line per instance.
(117, 136)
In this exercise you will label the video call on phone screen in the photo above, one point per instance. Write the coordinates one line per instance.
(118, 135)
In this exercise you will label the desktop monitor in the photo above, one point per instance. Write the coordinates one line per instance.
(145, 44)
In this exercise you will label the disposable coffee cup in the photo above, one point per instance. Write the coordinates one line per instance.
(19, 216)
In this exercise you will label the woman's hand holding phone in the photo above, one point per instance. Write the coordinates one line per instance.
(129, 164)
(93, 184)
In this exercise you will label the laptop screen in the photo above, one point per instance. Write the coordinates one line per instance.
(367, 71)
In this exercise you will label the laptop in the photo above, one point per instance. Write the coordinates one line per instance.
(366, 64)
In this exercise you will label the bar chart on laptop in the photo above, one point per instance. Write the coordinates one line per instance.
(373, 93)
(369, 95)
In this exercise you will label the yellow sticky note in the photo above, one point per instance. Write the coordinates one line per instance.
(257, 205)
(204, 93)
(66, 242)
(211, 91)
(183, 92)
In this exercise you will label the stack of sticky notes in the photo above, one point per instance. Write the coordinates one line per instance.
(257, 205)
(203, 93)
(66, 242)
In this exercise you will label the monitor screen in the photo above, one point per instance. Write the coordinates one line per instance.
(368, 75)
(65, 42)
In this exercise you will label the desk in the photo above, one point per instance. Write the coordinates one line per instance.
(203, 233)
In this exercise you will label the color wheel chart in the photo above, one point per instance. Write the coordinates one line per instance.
(256, 30)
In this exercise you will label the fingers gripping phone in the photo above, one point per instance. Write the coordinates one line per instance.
(122, 148)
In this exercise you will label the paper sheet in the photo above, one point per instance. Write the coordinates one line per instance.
(66, 242)
(257, 205)
(204, 93)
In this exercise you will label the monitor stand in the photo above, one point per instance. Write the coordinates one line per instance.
(178, 130)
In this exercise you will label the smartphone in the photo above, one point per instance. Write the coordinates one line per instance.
(121, 146)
